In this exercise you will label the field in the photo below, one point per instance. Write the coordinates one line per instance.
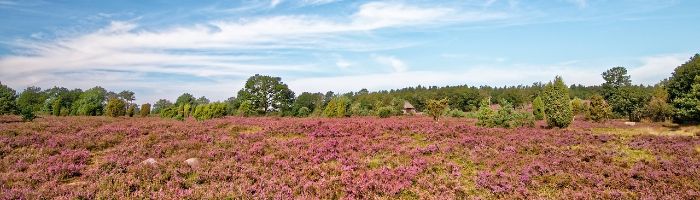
(349, 158)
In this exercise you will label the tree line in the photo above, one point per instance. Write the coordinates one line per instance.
(674, 98)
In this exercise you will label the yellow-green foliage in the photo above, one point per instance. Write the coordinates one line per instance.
(436, 108)
(115, 107)
(337, 107)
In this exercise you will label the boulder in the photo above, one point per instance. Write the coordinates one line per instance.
(149, 161)
(192, 162)
(630, 123)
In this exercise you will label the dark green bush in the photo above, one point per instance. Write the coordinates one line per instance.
(385, 112)
(557, 106)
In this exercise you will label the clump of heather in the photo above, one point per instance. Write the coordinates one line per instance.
(342, 158)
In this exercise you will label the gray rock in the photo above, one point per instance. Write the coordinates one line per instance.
(630, 123)
(149, 161)
(192, 162)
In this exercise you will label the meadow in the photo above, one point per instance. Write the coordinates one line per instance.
(81, 157)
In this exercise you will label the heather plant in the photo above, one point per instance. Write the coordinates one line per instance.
(145, 110)
(557, 106)
(115, 107)
(538, 108)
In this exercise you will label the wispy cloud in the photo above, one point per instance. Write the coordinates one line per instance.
(127, 46)
(391, 61)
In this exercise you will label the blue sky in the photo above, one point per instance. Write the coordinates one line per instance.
(160, 49)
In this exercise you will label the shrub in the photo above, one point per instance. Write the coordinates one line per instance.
(385, 112)
(577, 106)
(303, 112)
(456, 113)
(246, 108)
(485, 113)
(27, 114)
(145, 110)
(505, 117)
(436, 108)
(557, 107)
(131, 111)
(658, 109)
(599, 110)
(538, 108)
(210, 111)
(115, 107)
(337, 107)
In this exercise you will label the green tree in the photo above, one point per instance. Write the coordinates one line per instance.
(681, 91)
(688, 105)
(127, 96)
(90, 102)
(145, 109)
(201, 100)
(185, 98)
(538, 108)
(115, 107)
(599, 110)
(615, 78)
(131, 110)
(557, 106)
(32, 98)
(267, 94)
(161, 105)
(658, 109)
(8, 97)
(307, 100)
(337, 107)
(436, 108)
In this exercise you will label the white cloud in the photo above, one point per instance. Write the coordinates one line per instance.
(655, 68)
(579, 3)
(473, 76)
(127, 46)
(342, 63)
(274, 3)
(396, 64)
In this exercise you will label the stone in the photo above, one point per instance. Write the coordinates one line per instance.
(149, 161)
(192, 162)
(630, 123)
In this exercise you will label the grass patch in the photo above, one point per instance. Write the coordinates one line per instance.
(420, 140)
(242, 129)
(386, 159)
(630, 156)
(287, 136)
(656, 131)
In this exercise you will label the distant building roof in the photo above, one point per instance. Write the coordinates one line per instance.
(407, 105)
